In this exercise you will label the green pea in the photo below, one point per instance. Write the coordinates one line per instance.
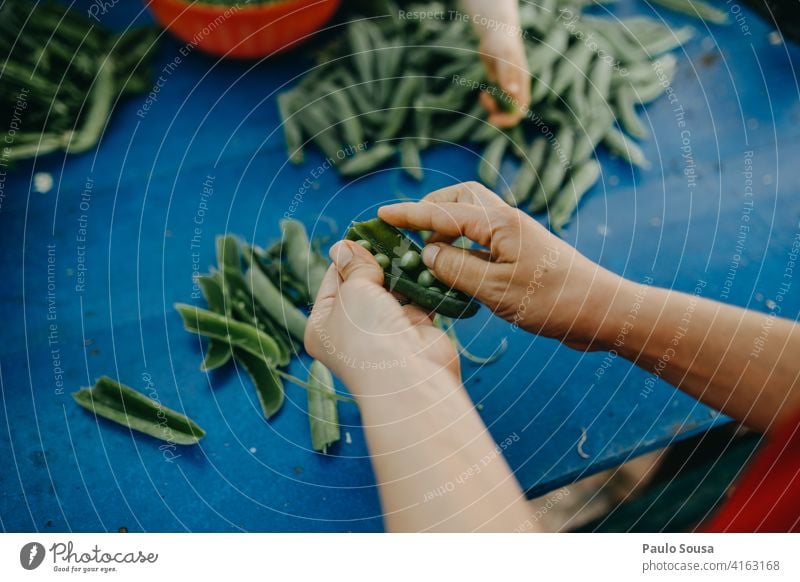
(410, 260)
(426, 278)
(383, 260)
(365, 243)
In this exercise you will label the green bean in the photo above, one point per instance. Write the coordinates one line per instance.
(627, 114)
(618, 143)
(388, 241)
(614, 34)
(409, 159)
(367, 110)
(674, 39)
(237, 334)
(291, 130)
(555, 169)
(489, 168)
(124, 405)
(528, 173)
(363, 162)
(303, 263)
(572, 66)
(269, 387)
(323, 416)
(696, 8)
(423, 122)
(564, 204)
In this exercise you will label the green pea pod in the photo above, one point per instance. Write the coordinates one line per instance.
(363, 162)
(557, 166)
(600, 79)
(696, 8)
(321, 130)
(627, 114)
(409, 159)
(303, 263)
(218, 352)
(270, 298)
(362, 50)
(528, 173)
(101, 98)
(549, 51)
(237, 334)
(573, 65)
(368, 111)
(542, 84)
(269, 386)
(124, 405)
(229, 255)
(292, 133)
(323, 416)
(345, 111)
(565, 203)
(489, 168)
(619, 144)
(587, 140)
(400, 105)
(410, 278)
(463, 128)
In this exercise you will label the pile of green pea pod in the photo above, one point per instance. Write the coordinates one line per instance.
(254, 319)
(393, 86)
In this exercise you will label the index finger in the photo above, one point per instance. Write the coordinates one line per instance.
(466, 193)
(448, 218)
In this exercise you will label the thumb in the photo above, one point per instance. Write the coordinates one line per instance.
(354, 262)
(456, 267)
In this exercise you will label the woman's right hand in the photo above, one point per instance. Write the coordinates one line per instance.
(526, 275)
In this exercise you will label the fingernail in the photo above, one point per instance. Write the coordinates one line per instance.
(341, 255)
(429, 255)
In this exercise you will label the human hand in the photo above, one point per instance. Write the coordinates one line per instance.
(506, 64)
(526, 275)
(360, 331)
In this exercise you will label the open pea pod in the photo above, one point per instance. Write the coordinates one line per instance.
(126, 406)
(404, 272)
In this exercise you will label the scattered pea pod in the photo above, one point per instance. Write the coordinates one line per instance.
(323, 416)
(126, 406)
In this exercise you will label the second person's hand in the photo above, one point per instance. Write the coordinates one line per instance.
(526, 274)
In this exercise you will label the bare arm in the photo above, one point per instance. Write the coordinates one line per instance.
(741, 362)
(437, 467)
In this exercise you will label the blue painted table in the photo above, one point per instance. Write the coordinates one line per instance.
(92, 267)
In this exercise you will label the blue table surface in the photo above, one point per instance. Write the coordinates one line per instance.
(74, 309)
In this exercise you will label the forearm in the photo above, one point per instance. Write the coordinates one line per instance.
(437, 466)
(488, 15)
(741, 362)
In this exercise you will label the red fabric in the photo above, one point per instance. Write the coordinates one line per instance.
(767, 497)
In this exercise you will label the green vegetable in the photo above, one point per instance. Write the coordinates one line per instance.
(489, 169)
(323, 417)
(62, 75)
(303, 263)
(696, 8)
(269, 386)
(235, 333)
(126, 406)
(392, 244)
